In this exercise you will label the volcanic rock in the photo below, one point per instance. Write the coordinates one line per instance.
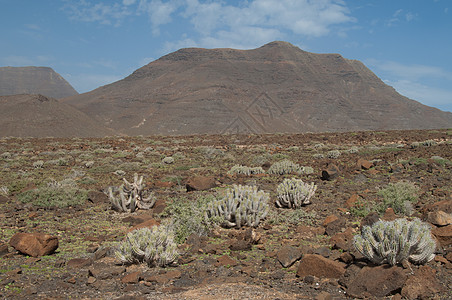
(34, 244)
(317, 265)
(34, 80)
(275, 88)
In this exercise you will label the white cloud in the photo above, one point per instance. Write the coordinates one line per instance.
(159, 12)
(412, 72)
(106, 14)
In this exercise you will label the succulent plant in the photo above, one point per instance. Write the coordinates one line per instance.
(294, 193)
(130, 196)
(244, 170)
(154, 246)
(333, 154)
(395, 241)
(285, 167)
(240, 206)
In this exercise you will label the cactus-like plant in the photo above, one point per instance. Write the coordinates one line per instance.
(154, 246)
(244, 170)
(293, 193)
(240, 206)
(285, 167)
(396, 241)
(130, 196)
(333, 154)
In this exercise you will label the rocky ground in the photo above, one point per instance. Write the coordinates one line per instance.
(59, 246)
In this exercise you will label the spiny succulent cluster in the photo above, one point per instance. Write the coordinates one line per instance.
(244, 170)
(294, 193)
(240, 206)
(154, 246)
(285, 167)
(396, 241)
(333, 154)
(130, 196)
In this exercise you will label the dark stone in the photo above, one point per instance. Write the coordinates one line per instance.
(288, 255)
(34, 244)
(330, 173)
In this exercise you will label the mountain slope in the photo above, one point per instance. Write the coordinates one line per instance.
(34, 80)
(38, 116)
(275, 88)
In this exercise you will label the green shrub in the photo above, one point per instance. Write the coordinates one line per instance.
(55, 194)
(188, 217)
(396, 241)
(154, 246)
(399, 196)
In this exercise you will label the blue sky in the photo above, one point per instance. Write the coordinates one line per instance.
(407, 43)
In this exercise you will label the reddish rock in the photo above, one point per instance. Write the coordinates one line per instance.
(159, 206)
(77, 263)
(439, 218)
(131, 278)
(364, 164)
(317, 265)
(148, 223)
(200, 183)
(389, 214)
(225, 260)
(422, 285)
(3, 199)
(329, 219)
(334, 227)
(449, 256)
(444, 235)
(343, 240)
(324, 296)
(164, 278)
(288, 255)
(445, 205)
(369, 220)
(34, 244)
(330, 173)
(378, 281)
(351, 201)
(164, 184)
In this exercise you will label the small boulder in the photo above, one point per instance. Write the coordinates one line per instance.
(422, 285)
(439, 218)
(200, 183)
(317, 265)
(364, 164)
(377, 281)
(97, 197)
(330, 173)
(288, 255)
(131, 278)
(34, 244)
(444, 235)
(148, 223)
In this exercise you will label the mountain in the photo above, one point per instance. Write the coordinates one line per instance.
(275, 88)
(39, 116)
(34, 80)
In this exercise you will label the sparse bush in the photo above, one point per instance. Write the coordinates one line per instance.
(396, 241)
(414, 145)
(6, 155)
(244, 170)
(38, 164)
(56, 194)
(294, 193)
(240, 206)
(399, 196)
(353, 150)
(429, 143)
(88, 164)
(285, 167)
(188, 217)
(168, 160)
(318, 156)
(130, 196)
(4, 190)
(333, 154)
(154, 246)
(319, 146)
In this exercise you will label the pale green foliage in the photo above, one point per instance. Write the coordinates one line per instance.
(396, 241)
(286, 167)
(38, 164)
(154, 246)
(168, 160)
(240, 206)
(429, 143)
(244, 170)
(333, 154)
(399, 196)
(130, 196)
(294, 193)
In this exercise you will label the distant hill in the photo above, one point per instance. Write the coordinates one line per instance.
(40, 116)
(34, 80)
(275, 88)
